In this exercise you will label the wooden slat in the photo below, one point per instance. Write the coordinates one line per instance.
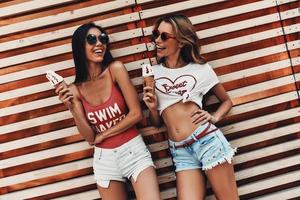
(290, 14)
(50, 188)
(66, 64)
(267, 119)
(63, 17)
(236, 41)
(231, 27)
(261, 86)
(30, 6)
(293, 45)
(270, 182)
(143, 1)
(35, 122)
(267, 183)
(6, 163)
(288, 193)
(164, 162)
(292, 28)
(88, 195)
(175, 7)
(52, 51)
(62, 49)
(69, 167)
(57, 67)
(67, 32)
(262, 103)
(267, 151)
(47, 172)
(268, 167)
(30, 89)
(295, 61)
(170, 193)
(280, 2)
(249, 55)
(297, 76)
(255, 70)
(8, 146)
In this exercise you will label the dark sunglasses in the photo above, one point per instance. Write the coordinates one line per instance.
(163, 36)
(92, 39)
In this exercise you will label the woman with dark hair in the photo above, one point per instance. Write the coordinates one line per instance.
(105, 108)
(182, 78)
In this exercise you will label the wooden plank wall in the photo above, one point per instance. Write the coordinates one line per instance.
(252, 45)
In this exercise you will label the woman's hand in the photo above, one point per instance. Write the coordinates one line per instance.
(98, 139)
(65, 95)
(150, 98)
(200, 117)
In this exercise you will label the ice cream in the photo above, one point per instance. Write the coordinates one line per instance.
(54, 78)
(148, 75)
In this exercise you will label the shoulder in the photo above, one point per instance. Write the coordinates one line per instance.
(198, 64)
(157, 68)
(157, 65)
(203, 67)
(116, 66)
(117, 69)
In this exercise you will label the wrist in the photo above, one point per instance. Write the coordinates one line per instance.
(104, 135)
(214, 119)
(75, 107)
(99, 138)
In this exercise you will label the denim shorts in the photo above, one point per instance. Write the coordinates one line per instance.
(121, 163)
(205, 153)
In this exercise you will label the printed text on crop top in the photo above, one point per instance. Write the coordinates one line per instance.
(188, 83)
(107, 115)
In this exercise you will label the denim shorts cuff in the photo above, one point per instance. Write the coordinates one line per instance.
(228, 157)
(186, 168)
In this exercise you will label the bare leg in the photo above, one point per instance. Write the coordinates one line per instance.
(222, 180)
(191, 184)
(116, 190)
(146, 185)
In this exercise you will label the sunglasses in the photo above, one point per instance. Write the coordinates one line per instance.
(92, 39)
(163, 36)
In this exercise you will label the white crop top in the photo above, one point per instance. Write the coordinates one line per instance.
(188, 83)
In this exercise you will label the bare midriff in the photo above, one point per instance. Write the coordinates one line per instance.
(178, 120)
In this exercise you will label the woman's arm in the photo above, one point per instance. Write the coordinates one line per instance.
(70, 97)
(226, 103)
(150, 100)
(200, 116)
(121, 77)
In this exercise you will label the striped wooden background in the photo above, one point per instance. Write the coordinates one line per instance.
(252, 45)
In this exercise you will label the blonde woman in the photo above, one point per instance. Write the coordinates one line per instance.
(182, 77)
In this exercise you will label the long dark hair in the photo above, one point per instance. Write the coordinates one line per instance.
(79, 56)
(185, 34)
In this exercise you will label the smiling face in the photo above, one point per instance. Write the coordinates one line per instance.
(169, 47)
(95, 53)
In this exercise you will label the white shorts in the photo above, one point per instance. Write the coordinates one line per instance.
(125, 161)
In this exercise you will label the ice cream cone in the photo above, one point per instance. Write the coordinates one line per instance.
(149, 81)
(148, 75)
(55, 79)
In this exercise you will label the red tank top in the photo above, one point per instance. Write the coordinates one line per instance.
(107, 115)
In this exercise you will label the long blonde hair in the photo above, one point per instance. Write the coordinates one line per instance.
(185, 34)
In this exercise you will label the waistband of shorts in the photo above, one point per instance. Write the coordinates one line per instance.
(133, 141)
(196, 132)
